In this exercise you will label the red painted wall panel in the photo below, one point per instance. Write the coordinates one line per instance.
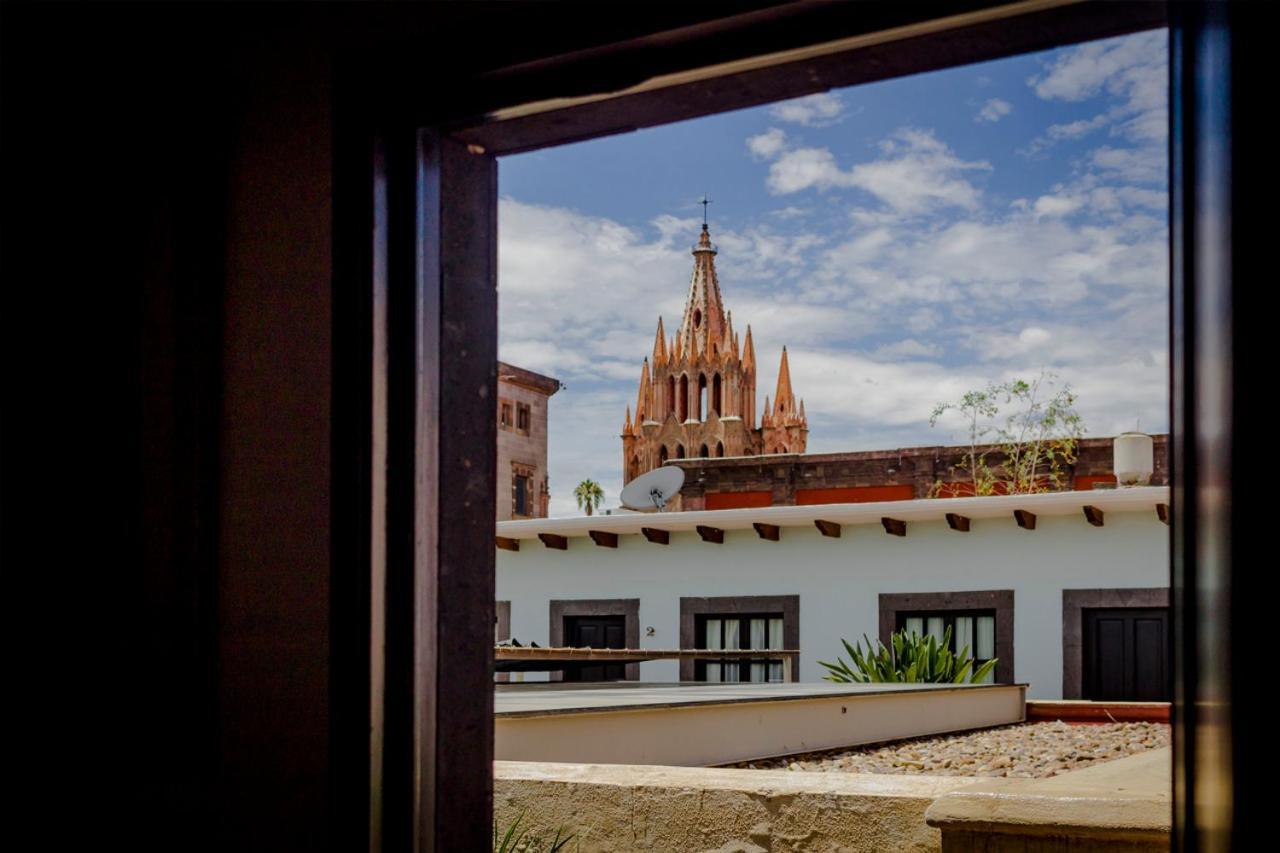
(738, 500)
(854, 495)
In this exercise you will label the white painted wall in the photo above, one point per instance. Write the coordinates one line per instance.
(839, 580)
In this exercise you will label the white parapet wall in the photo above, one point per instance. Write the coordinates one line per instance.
(839, 580)
(695, 724)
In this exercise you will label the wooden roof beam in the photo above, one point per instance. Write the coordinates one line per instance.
(772, 532)
(1026, 520)
(894, 526)
(959, 522)
(711, 534)
(603, 539)
(827, 528)
(656, 536)
(555, 540)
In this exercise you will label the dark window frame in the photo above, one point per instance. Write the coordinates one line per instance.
(629, 608)
(999, 600)
(949, 620)
(1075, 602)
(414, 170)
(692, 607)
(744, 633)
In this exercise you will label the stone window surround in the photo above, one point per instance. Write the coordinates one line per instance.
(787, 605)
(1074, 603)
(524, 469)
(628, 608)
(1000, 600)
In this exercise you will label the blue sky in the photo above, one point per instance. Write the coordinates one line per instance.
(907, 240)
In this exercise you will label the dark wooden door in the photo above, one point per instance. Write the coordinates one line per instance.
(598, 632)
(1126, 655)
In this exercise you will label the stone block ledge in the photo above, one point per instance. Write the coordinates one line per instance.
(617, 807)
(1122, 805)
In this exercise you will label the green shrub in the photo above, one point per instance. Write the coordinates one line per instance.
(910, 658)
(516, 840)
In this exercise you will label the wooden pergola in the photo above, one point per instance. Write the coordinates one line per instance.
(539, 659)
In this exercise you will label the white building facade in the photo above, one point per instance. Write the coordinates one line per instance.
(1069, 589)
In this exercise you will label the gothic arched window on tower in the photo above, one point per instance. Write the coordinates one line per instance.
(684, 398)
(671, 395)
(719, 449)
(679, 451)
(662, 455)
(704, 453)
(717, 404)
(702, 397)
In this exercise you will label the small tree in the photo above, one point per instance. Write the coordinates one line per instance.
(1036, 441)
(589, 496)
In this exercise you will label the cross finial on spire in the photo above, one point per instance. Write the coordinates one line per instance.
(705, 201)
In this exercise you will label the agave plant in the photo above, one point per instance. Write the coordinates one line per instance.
(517, 840)
(910, 658)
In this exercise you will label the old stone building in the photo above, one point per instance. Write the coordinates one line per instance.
(871, 475)
(523, 486)
(697, 396)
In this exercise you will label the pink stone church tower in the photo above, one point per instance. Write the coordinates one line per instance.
(697, 397)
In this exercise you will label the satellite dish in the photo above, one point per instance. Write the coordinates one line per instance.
(653, 490)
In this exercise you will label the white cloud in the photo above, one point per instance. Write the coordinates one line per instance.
(789, 212)
(811, 111)
(1131, 70)
(1145, 165)
(767, 145)
(994, 110)
(907, 348)
(1125, 66)
(916, 173)
(1056, 205)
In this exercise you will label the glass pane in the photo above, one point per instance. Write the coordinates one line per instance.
(964, 634)
(757, 672)
(713, 638)
(713, 672)
(731, 672)
(985, 644)
(758, 638)
(775, 634)
(914, 625)
(731, 627)
(775, 671)
(936, 627)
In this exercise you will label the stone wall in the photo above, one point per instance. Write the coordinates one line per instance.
(788, 477)
(618, 807)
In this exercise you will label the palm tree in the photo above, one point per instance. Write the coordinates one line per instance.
(589, 495)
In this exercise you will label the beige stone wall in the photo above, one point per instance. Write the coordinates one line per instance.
(516, 448)
(636, 808)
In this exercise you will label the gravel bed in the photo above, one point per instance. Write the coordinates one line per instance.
(1024, 750)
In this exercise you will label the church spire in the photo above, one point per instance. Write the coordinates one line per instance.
(659, 345)
(784, 401)
(748, 352)
(703, 322)
(643, 398)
